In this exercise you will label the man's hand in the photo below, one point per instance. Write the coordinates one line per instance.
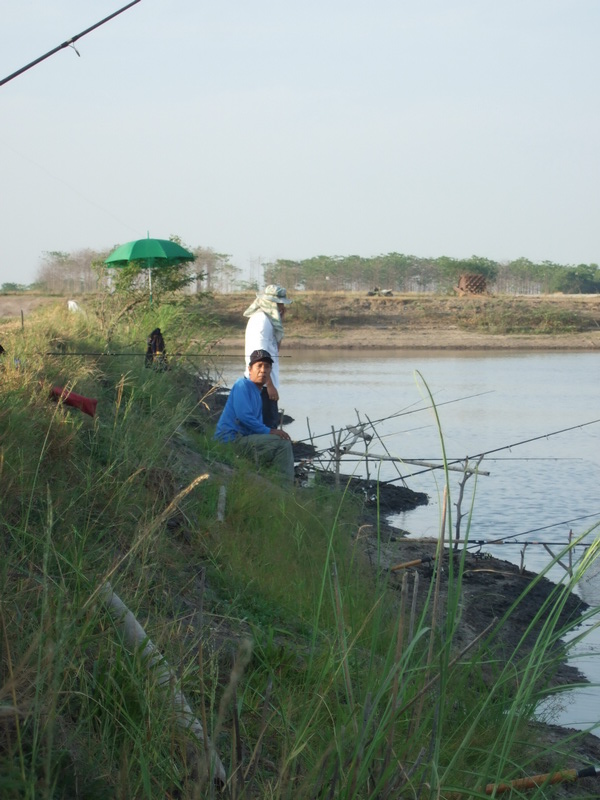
(281, 434)
(272, 391)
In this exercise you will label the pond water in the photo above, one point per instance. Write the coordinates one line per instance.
(528, 411)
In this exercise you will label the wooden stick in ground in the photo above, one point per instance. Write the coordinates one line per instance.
(337, 455)
(221, 503)
(418, 463)
(136, 639)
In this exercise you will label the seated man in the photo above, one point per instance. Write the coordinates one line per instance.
(241, 421)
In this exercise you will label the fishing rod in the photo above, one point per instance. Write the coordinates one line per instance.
(125, 355)
(428, 559)
(69, 43)
(535, 530)
(548, 778)
(403, 414)
(497, 449)
(487, 542)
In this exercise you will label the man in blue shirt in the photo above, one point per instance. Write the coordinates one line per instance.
(241, 421)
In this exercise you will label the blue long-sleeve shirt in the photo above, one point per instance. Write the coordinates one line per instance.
(242, 414)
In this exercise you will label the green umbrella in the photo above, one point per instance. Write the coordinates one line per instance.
(152, 253)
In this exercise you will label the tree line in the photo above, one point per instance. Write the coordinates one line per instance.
(406, 273)
(84, 271)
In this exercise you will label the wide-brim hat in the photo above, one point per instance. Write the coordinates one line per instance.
(276, 294)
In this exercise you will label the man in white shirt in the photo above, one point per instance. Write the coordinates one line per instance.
(264, 331)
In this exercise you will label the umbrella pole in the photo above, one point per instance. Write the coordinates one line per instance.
(150, 283)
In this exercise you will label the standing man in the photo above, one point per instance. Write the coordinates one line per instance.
(264, 331)
(241, 421)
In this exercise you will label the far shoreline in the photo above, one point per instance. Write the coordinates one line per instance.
(368, 338)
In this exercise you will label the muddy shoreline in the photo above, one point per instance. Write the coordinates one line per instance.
(373, 338)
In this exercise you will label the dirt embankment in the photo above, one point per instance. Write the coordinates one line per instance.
(426, 321)
(12, 305)
(354, 320)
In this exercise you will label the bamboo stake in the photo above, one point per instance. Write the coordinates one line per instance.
(416, 462)
(413, 609)
(382, 443)
(136, 638)
(221, 503)
(337, 455)
(532, 782)
(566, 568)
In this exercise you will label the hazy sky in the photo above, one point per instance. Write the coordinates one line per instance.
(290, 129)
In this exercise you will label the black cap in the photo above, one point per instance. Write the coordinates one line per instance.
(259, 355)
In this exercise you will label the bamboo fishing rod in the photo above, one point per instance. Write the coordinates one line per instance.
(426, 559)
(547, 779)
(488, 542)
(69, 43)
(497, 449)
(395, 460)
(400, 414)
(125, 355)
(543, 528)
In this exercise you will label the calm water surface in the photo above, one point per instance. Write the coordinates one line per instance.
(485, 402)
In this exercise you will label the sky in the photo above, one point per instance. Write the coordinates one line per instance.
(272, 129)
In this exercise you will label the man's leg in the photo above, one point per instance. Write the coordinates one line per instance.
(271, 450)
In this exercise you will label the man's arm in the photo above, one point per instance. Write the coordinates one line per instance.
(247, 408)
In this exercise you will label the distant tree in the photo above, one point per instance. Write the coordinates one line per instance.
(69, 273)
(452, 268)
(285, 272)
(131, 281)
(214, 271)
(582, 279)
(11, 288)
(127, 288)
(210, 271)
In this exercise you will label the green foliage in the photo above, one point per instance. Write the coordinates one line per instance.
(12, 288)
(406, 273)
(583, 279)
(308, 668)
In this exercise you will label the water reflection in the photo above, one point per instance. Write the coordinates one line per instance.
(486, 402)
(508, 399)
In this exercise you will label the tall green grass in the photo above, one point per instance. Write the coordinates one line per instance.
(313, 675)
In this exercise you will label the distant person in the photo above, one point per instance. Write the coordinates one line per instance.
(264, 331)
(156, 351)
(241, 421)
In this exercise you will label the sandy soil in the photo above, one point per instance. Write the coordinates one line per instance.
(12, 305)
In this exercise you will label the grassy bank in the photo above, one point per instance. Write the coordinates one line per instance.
(307, 671)
(495, 315)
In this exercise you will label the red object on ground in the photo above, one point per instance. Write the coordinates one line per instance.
(85, 404)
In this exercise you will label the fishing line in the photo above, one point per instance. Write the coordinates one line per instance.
(71, 187)
(183, 355)
(502, 539)
(499, 449)
(403, 413)
(532, 458)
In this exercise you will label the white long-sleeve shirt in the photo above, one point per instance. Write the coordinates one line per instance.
(260, 335)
